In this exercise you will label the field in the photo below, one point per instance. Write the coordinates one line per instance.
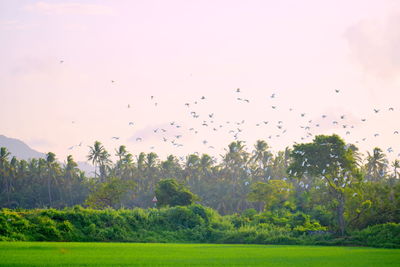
(132, 254)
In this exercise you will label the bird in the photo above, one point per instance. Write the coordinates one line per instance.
(131, 123)
(337, 91)
(376, 110)
(391, 109)
(112, 81)
(238, 90)
(273, 95)
(396, 132)
(138, 139)
(61, 61)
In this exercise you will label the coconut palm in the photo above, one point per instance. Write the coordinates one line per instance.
(396, 166)
(52, 170)
(376, 164)
(99, 158)
(4, 172)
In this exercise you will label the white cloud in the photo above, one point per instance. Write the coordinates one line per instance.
(70, 9)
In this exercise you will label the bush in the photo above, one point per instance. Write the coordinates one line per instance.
(193, 223)
(381, 235)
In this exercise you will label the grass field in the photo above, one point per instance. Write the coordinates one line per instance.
(128, 254)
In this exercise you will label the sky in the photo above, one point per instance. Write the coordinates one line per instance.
(123, 72)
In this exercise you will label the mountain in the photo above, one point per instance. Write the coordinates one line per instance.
(21, 150)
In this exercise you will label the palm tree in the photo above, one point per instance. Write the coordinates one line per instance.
(396, 165)
(71, 173)
(97, 155)
(260, 159)
(356, 154)
(51, 173)
(376, 164)
(4, 172)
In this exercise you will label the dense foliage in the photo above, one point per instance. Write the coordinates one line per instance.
(327, 180)
(193, 223)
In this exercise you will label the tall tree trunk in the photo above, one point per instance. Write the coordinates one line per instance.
(340, 214)
(49, 191)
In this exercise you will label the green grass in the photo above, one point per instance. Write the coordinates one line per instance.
(131, 254)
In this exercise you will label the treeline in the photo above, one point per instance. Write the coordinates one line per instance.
(327, 179)
(189, 224)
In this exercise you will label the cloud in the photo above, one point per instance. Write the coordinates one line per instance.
(374, 44)
(70, 9)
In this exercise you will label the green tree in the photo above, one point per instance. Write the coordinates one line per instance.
(52, 172)
(100, 159)
(4, 173)
(376, 165)
(109, 193)
(272, 194)
(329, 159)
(396, 166)
(171, 193)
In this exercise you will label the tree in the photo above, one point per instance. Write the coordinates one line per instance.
(261, 158)
(53, 170)
(100, 158)
(271, 194)
(170, 193)
(376, 165)
(4, 172)
(71, 172)
(396, 166)
(108, 193)
(329, 159)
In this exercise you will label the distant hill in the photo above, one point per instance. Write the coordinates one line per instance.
(21, 150)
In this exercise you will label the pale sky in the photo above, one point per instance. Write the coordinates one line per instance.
(59, 58)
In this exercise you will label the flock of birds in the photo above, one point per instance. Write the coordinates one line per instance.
(174, 131)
